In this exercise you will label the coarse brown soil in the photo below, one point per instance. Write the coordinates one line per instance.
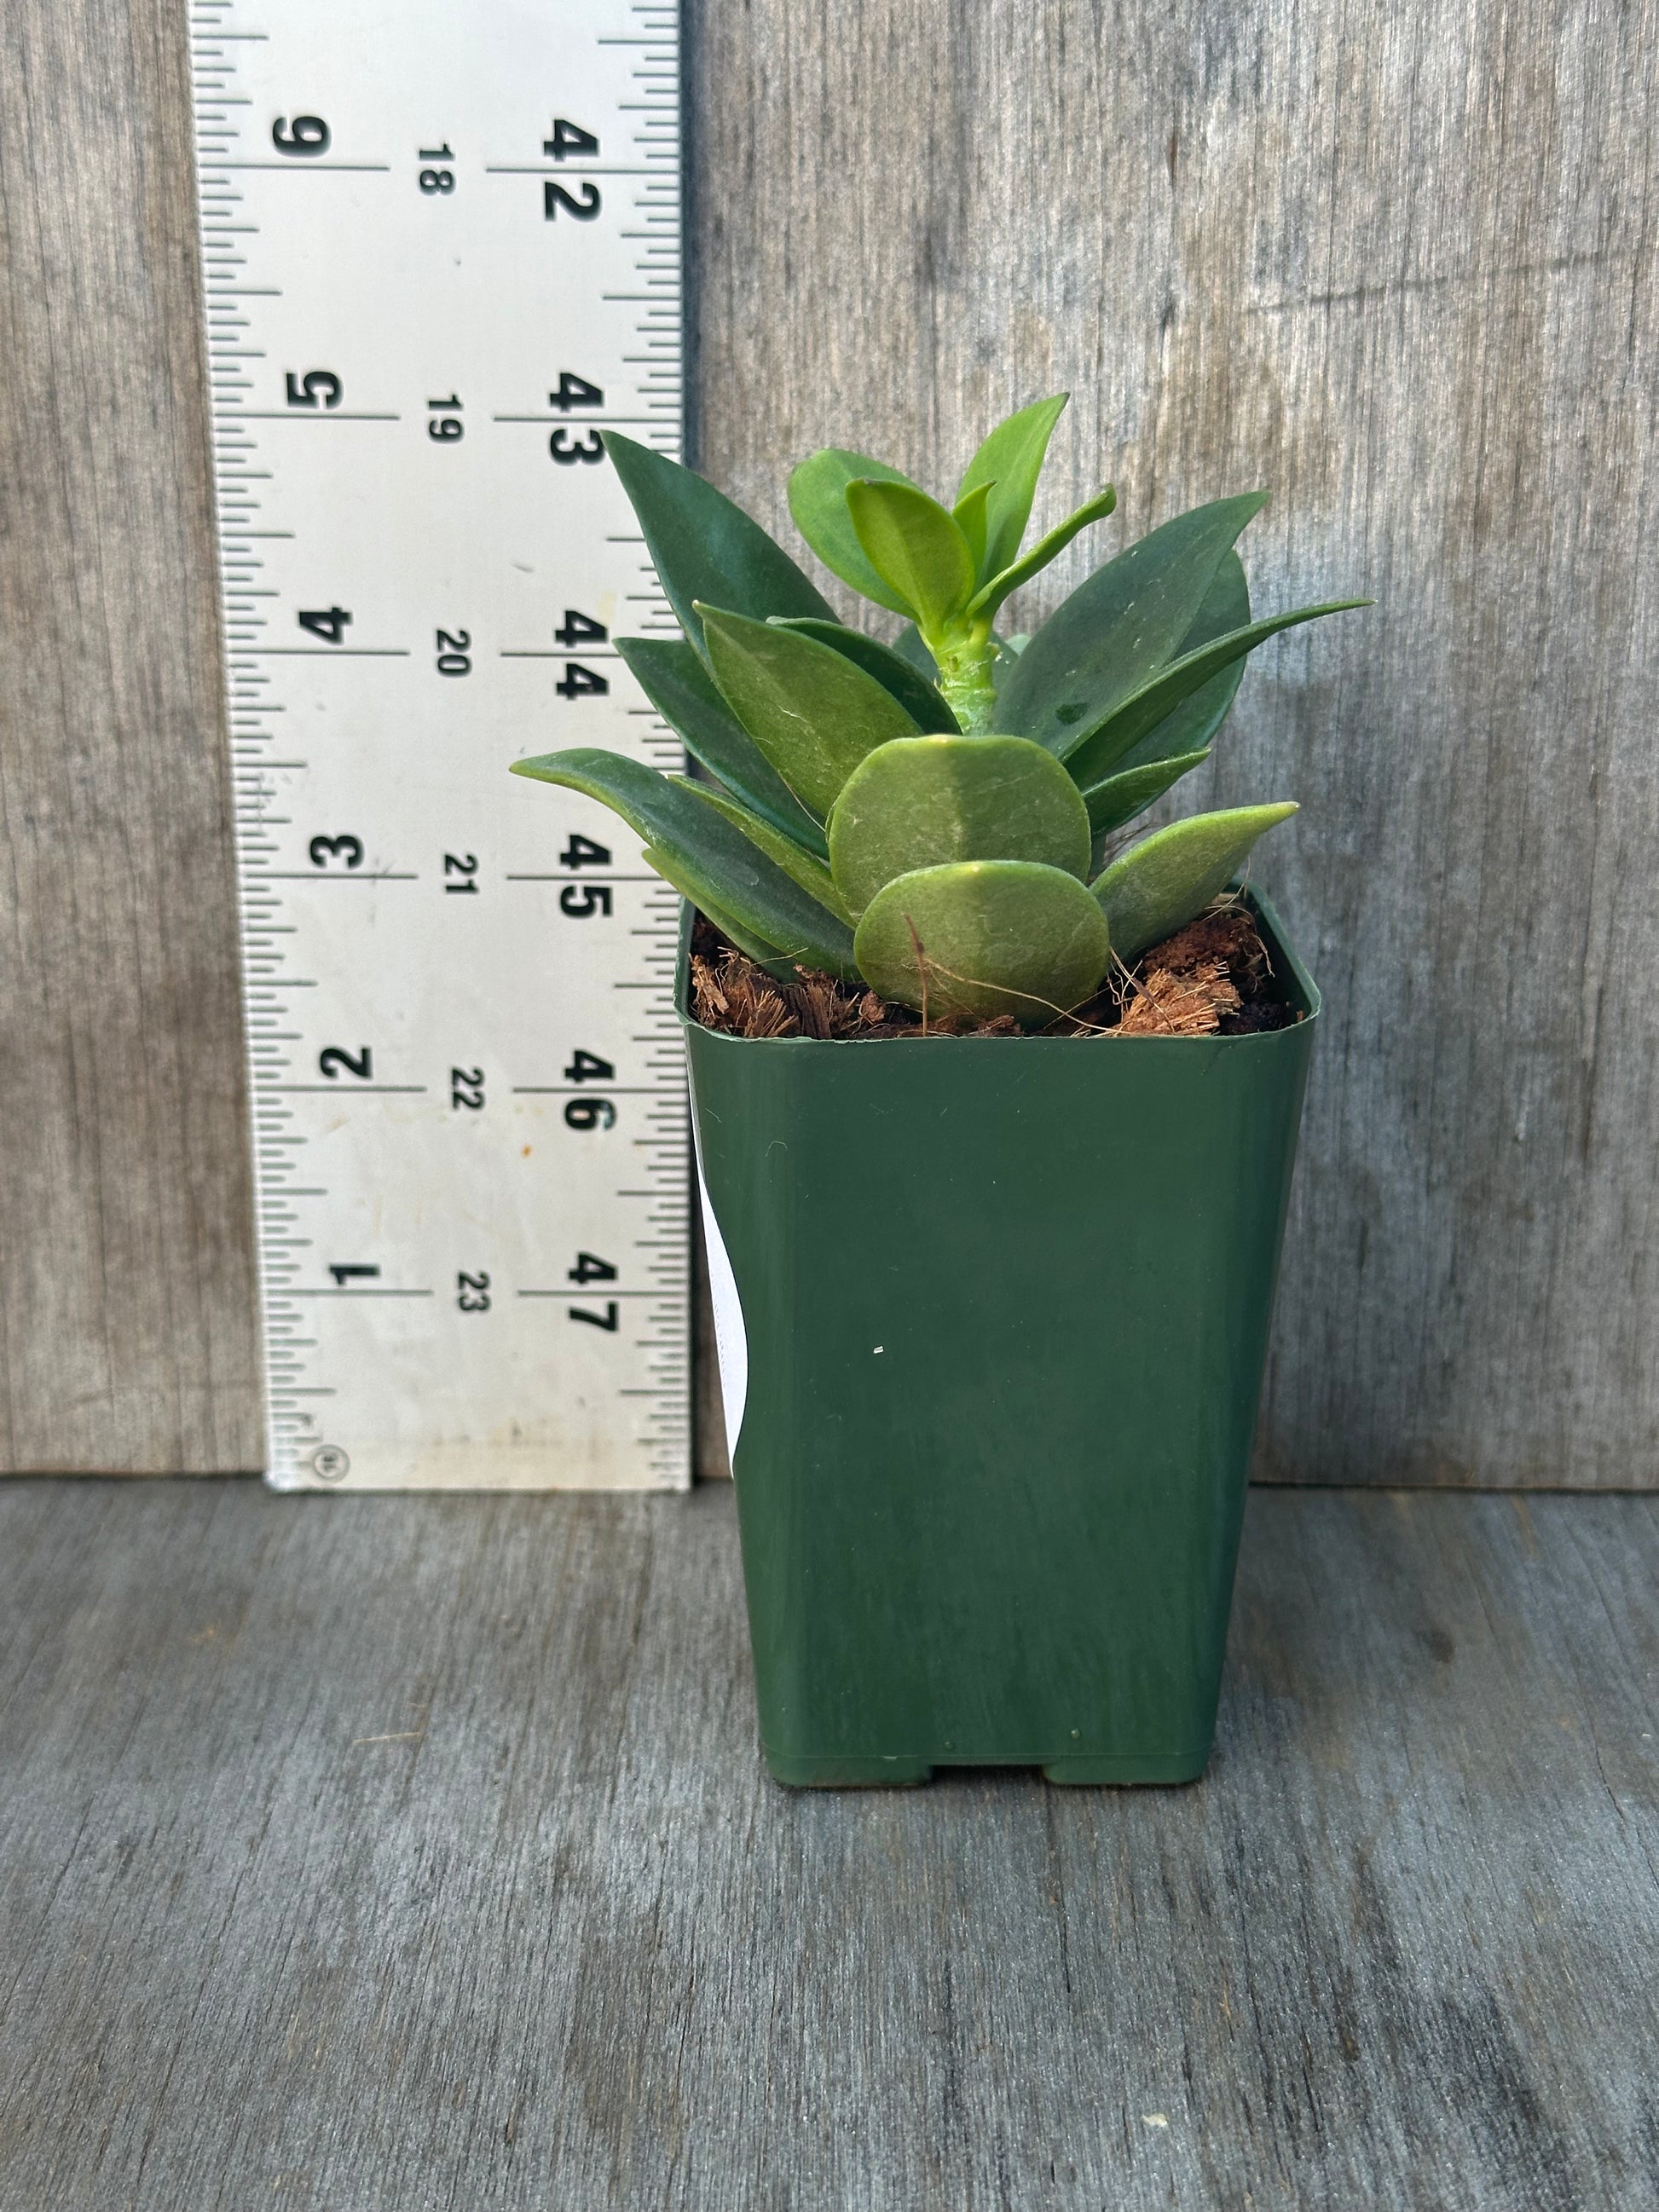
(1212, 979)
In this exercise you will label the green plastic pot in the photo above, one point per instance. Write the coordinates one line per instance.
(992, 1314)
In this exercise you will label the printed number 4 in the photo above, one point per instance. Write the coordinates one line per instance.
(590, 1268)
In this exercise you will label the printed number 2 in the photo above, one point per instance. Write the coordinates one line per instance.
(555, 197)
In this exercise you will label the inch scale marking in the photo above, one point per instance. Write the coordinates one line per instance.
(442, 250)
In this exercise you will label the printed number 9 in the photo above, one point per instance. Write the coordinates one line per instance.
(308, 135)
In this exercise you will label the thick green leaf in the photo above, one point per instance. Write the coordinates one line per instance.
(766, 956)
(803, 868)
(969, 517)
(992, 595)
(915, 692)
(1120, 797)
(812, 712)
(1121, 624)
(705, 547)
(673, 679)
(985, 938)
(1194, 724)
(818, 500)
(1158, 885)
(714, 863)
(916, 546)
(922, 801)
(1009, 463)
(1099, 747)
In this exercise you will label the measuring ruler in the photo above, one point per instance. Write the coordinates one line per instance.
(441, 248)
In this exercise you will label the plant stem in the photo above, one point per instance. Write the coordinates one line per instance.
(965, 654)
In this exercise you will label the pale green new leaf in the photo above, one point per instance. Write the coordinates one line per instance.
(812, 712)
(672, 676)
(1120, 626)
(916, 546)
(913, 691)
(1118, 800)
(818, 500)
(985, 938)
(1159, 885)
(1010, 462)
(704, 546)
(968, 515)
(714, 863)
(992, 595)
(923, 801)
(804, 868)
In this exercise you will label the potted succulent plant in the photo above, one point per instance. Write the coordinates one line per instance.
(993, 1232)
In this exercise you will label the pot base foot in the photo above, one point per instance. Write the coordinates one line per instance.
(1181, 1766)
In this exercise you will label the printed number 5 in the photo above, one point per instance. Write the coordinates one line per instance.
(581, 902)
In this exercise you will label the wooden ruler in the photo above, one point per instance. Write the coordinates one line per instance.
(442, 248)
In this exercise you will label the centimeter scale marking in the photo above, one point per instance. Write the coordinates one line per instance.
(441, 248)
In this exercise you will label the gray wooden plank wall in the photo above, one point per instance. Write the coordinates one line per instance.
(126, 1277)
(1396, 267)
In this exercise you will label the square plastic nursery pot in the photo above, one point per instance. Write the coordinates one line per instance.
(992, 1314)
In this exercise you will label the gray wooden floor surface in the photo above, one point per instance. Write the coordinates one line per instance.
(414, 1853)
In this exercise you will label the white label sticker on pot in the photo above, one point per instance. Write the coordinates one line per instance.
(731, 1338)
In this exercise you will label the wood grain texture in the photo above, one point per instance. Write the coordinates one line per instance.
(1396, 267)
(377, 1852)
(127, 1336)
